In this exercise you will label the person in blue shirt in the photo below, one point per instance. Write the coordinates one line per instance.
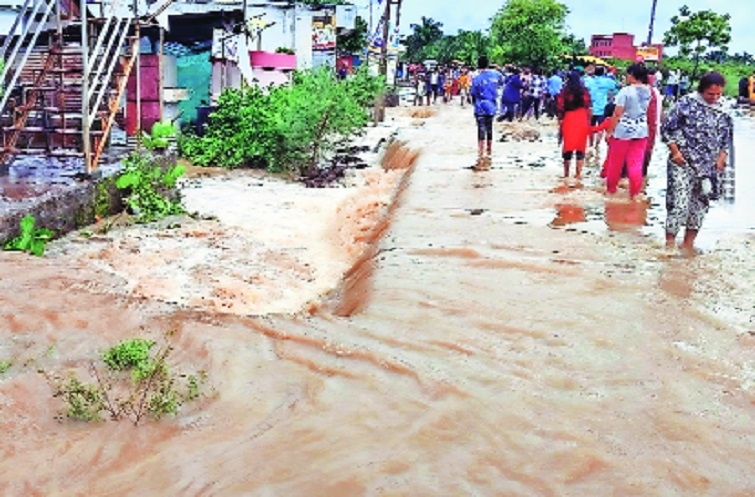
(512, 97)
(599, 87)
(555, 84)
(485, 95)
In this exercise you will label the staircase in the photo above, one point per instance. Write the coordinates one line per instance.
(45, 108)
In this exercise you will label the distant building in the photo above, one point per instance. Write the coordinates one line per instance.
(621, 46)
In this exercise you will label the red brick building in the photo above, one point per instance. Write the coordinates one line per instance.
(621, 46)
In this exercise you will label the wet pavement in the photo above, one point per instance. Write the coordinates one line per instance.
(517, 335)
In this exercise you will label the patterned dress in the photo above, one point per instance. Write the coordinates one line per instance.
(701, 131)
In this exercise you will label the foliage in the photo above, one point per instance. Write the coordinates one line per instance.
(285, 50)
(84, 402)
(131, 354)
(149, 186)
(158, 139)
(529, 32)
(732, 70)
(574, 46)
(5, 366)
(424, 35)
(131, 386)
(465, 47)
(31, 239)
(285, 128)
(695, 33)
(355, 40)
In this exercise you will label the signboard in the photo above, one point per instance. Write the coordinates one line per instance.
(225, 47)
(346, 16)
(324, 31)
(652, 54)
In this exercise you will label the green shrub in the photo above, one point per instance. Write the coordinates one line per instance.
(136, 383)
(128, 354)
(85, 402)
(285, 128)
(149, 186)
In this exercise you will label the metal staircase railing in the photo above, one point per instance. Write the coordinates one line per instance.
(21, 113)
(23, 43)
(114, 102)
(100, 74)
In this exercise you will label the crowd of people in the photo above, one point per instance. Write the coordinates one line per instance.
(595, 104)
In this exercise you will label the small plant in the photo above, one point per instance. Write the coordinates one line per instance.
(149, 186)
(85, 402)
(136, 382)
(285, 50)
(31, 239)
(5, 366)
(133, 353)
(158, 139)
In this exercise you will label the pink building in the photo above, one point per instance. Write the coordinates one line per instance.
(621, 46)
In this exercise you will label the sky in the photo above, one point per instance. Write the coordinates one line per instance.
(586, 17)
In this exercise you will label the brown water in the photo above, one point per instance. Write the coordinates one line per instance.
(516, 335)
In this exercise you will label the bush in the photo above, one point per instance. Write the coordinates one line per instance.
(135, 383)
(286, 128)
(149, 185)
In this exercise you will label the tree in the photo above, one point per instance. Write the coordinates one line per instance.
(697, 32)
(424, 34)
(470, 45)
(529, 32)
(355, 40)
(574, 46)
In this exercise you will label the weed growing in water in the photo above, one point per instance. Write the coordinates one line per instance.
(31, 239)
(136, 382)
(84, 402)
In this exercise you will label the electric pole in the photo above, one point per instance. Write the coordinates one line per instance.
(652, 22)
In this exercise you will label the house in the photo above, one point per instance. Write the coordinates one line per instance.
(621, 46)
(169, 61)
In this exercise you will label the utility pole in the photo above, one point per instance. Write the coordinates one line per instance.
(652, 22)
(86, 134)
(386, 35)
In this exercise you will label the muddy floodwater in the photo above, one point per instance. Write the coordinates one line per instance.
(513, 334)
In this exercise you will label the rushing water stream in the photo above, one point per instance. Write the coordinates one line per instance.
(522, 336)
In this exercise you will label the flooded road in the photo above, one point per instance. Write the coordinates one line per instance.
(517, 335)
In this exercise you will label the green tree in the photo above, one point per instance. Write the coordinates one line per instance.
(574, 46)
(355, 40)
(470, 45)
(695, 33)
(424, 35)
(529, 32)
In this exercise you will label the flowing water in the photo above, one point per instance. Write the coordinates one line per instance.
(514, 334)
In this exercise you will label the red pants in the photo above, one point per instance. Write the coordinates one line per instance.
(631, 152)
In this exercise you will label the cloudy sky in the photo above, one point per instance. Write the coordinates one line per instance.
(586, 17)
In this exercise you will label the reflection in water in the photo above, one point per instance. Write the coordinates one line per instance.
(569, 214)
(625, 216)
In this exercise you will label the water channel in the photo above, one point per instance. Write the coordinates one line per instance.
(518, 335)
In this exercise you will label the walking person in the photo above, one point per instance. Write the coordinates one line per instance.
(628, 131)
(465, 85)
(574, 114)
(534, 94)
(512, 97)
(599, 87)
(699, 134)
(555, 85)
(484, 95)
